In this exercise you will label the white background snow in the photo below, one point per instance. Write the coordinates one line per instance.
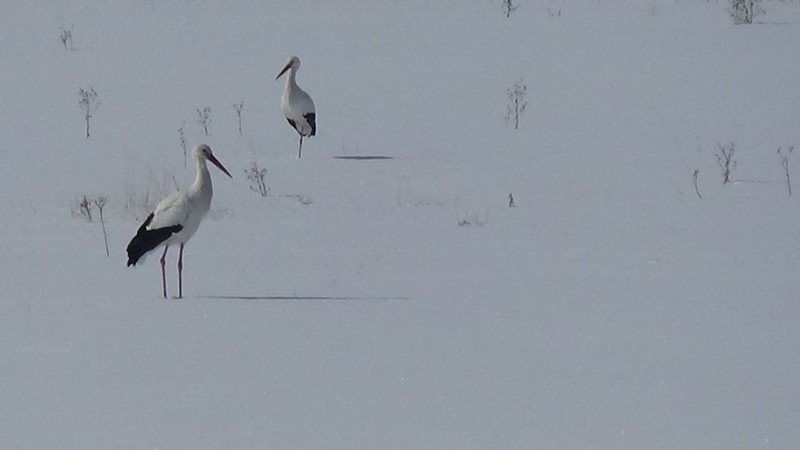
(610, 309)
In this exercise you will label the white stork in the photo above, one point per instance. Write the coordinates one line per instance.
(177, 217)
(297, 104)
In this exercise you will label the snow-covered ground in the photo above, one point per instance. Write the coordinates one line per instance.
(612, 308)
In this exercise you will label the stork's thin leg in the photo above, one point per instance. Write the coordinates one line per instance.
(180, 272)
(300, 151)
(164, 271)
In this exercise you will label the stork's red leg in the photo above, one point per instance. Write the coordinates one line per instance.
(180, 272)
(164, 271)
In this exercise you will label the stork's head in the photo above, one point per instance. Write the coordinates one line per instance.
(292, 63)
(203, 153)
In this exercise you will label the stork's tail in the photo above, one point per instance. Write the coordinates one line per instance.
(146, 240)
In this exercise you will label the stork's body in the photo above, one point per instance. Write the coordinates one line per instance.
(298, 108)
(176, 218)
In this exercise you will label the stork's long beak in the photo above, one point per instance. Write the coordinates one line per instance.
(284, 70)
(219, 164)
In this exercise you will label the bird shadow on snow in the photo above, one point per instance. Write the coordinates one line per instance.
(363, 157)
(299, 297)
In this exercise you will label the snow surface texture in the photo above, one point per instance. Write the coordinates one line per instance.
(610, 309)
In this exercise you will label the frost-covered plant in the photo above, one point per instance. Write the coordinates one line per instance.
(517, 102)
(725, 160)
(784, 154)
(745, 11)
(89, 104)
(238, 108)
(256, 177)
(204, 118)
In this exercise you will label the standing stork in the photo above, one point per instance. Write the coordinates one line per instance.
(177, 217)
(297, 104)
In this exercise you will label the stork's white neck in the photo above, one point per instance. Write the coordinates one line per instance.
(291, 83)
(202, 182)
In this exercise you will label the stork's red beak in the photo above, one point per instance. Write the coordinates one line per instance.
(284, 70)
(219, 164)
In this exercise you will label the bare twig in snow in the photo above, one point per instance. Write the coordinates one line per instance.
(517, 102)
(238, 108)
(89, 104)
(694, 179)
(784, 154)
(509, 7)
(725, 160)
(100, 202)
(66, 38)
(204, 118)
(184, 144)
(256, 177)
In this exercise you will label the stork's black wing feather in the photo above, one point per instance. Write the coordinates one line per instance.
(146, 240)
(311, 118)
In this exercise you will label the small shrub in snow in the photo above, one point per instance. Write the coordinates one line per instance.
(256, 177)
(745, 11)
(725, 160)
(517, 102)
(238, 108)
(89, 104)
(204, 118)
(784, 154)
